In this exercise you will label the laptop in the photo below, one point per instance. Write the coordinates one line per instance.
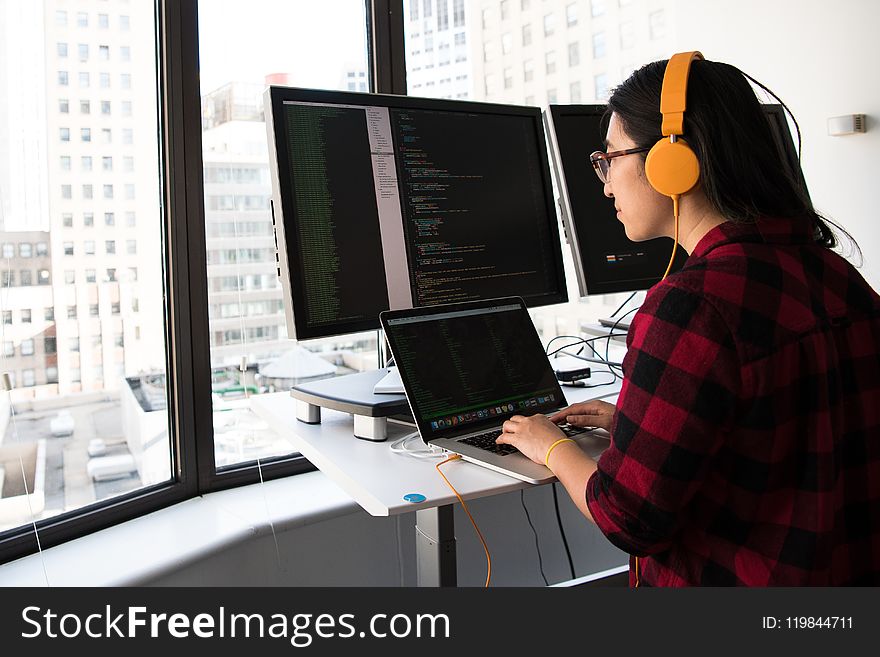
(468, 367)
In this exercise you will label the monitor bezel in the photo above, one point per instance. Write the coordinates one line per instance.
(282, 196)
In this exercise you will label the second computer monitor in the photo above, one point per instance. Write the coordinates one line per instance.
(390, 202)
(605, 259)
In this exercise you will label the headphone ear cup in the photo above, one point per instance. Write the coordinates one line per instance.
(672, 167)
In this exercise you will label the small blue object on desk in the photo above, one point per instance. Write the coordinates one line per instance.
(415, 498)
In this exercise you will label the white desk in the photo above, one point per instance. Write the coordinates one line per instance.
(378, 479)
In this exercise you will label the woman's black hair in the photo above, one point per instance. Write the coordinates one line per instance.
(742, 169)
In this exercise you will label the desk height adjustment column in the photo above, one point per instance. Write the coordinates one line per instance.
(435, 546)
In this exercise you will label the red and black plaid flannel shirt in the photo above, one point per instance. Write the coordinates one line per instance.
(746, 442)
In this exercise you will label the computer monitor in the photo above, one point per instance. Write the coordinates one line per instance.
(605, 259)
(390, 202)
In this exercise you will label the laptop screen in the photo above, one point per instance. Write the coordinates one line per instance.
(465, 366)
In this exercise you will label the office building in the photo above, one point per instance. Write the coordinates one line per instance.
(438, 42)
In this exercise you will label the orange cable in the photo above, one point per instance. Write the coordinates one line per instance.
(675, 241)
(456, 457)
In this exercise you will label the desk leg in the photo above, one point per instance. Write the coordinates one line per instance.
(435, 546)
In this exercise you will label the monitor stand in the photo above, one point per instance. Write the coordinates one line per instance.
(610, 322)
(390, 384)
(352, 393)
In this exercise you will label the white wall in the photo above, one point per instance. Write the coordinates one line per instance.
(821, 57)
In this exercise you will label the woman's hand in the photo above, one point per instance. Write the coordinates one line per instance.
(592, 413)
(532, 436)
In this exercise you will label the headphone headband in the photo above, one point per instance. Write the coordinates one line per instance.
(673, 98)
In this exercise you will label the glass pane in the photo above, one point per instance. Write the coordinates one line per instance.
(533, 53)
(85, 418)
(315, 45)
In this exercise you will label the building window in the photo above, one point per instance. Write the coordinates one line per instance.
(106, 136)
(104, 53)
(42, 249)
(125, 53)
(84, 80)
(110, 246)
(71, 312)
(571, 14)
(551, 96)
(129, 191)
(105, 107)
(598, 45)
(27, 377)
(85, 134)
(600, 83)
(63, 78)
(65, 163)
(64, 134)
(85, 107)
(52, 374)
(128, 164)
(104, 80)
(61, 18)
(111, 275)
(27, 347)
(505, 9)
(61, 49)
(130, 219)
(103, 21)
(64, 106)
(107, 163)
(114, 308)
(508, 78)
(66, 191)
(109, 219)
(67, 220)
(657, 24)
(70, 276)
(26, 278)
(550, 62)
(25, 250)
(126, 108)
(8, 348)
(49, 345)
(527, 35)
(73, 344)
(124, 23)
(93, 310)
(87, 191)
(83, 50)
(26, 316)
(442, 15)
(43, 277)
(88, 219)
(108, 191)
(574, 54)
(91, 277)
(597, 7)
(549, 24)
(458, 13)
(7, 317)
(82, 19)
(85, 162)
(7, 278)
(89, 247)
(528, 70)
(131, 247)
(49, 314)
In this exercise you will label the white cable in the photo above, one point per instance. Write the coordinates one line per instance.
(601, 361)
(400, 446)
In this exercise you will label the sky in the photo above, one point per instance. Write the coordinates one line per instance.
(313, 40)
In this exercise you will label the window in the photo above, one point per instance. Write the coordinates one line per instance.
(88, 219)
(25, 277)
(657, 24)
(27, 347)
(63, 78)
(27, 377)
(52, 374)
(106, 136)
(49, 314)
(114, 309)
(600, 83)
(105, 107)
(90, 276)
(111, 275)
(87, 191)
(571, 14)
(550, 62)
(124, 23)
(65, 162)
(85, 134)
(506, 43)
(126, 108)
(508, 78)
(505, 9)
(67, 220)
(71, 312)
(8, 348)
(128, 164)
(42, 249)
(597, 7)
(528, 70)
(527, 35)
(458, 13)
(108, 191)
(89, 247)
(73, 344)
(66, 191)
(83, 50)
(109, 219)
(549, 24)
(598, 45)
(107, 163)
(129, 191)
(61, 18)
(130, 219)
(125, 53)
(82, 19)
(84, 80)
(61, 49)
(110, 246)
(70, 277)
(104, 53)
(64, 106)
(7, 278)
(26, 316)
(574, 56)
(85, 107)
(43, 277)
(7, 317)
(64, 134)
(131, 247)
(93, 310)
(443, 15)
(85, 162)
(49, 345)
(103, 21)
(551, 96)
(104, 80)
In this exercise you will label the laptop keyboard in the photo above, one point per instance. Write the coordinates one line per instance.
(487, 439)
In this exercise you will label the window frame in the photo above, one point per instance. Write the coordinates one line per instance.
(188, 365)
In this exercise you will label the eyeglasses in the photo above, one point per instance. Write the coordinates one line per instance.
(601, 161)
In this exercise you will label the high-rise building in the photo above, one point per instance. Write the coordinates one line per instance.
(99, 96)
(244, 294)
(538, 52)
(438, 49)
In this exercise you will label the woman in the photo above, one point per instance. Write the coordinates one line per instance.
(745, 442)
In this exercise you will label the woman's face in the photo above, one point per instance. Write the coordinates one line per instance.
(644, 212)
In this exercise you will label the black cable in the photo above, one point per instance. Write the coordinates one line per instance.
(611, 332)
(562, 530)
(620, 307)
(522, 499)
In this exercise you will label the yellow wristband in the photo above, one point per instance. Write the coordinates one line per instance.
(553, 446)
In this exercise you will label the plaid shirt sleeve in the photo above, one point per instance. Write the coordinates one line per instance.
(676, 405)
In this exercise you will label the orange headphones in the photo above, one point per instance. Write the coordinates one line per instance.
(672, 167)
